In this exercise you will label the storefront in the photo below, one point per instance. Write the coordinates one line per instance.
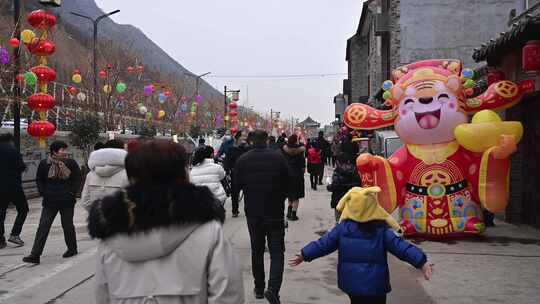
(515, 55)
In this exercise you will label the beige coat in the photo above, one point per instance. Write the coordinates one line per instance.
(107, 175)
(189, 264)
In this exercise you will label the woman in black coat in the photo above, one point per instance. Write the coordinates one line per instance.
(344, 178)
(295, 154)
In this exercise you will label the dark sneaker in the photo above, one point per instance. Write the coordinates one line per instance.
(235, 214)
(34, 259)
(69, 253)
(15, 239)
(271, 297)
(3, 244)
(258, 294)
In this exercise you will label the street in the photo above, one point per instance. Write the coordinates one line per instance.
(501, 267)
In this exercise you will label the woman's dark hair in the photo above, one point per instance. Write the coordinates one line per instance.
(259, 138)
(57, 145)
(201, 154)
(371, 226)
(293, 139)
(115, 144)
(157, 162)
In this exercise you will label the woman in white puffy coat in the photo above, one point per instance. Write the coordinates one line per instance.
(107, 173)
(206, 173)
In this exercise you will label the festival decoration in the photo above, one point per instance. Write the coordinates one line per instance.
(167, 93)
(19, 78)
(141, 68)
(143, 110)
(14, 42)
(149, 115)
(4, 56)
(448, 169)
(199, 99)
(102, 74)
(531, 57)
(162, 97)
(72, 90)
(81, 96)
(107, 89)
(76, 78)
(41, 101)
(148, 90)
(161, 114)
(130, 69)
(121, 87)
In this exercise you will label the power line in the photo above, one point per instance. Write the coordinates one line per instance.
(279, 76)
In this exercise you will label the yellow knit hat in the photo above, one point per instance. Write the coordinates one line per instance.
(362, 205)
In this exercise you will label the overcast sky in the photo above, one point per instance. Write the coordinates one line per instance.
(255, 37)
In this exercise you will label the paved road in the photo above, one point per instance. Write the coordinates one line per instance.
(69, 281)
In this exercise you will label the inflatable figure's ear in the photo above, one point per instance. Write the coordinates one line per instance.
(453, 83)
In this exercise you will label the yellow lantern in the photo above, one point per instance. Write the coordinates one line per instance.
(27, 36)
(161, 114)
(77, 78)
(107, 88)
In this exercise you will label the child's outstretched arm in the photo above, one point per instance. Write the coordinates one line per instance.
(407, 252)
(316, 249)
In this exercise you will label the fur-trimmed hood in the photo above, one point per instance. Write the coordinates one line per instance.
(142, 210)
(107, 162)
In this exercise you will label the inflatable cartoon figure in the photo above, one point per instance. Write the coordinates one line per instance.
(448, 169)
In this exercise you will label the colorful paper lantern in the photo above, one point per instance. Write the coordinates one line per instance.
(44, 73)
(41, 19)
(30, 78)
(102, 74)
(121, 87)
(27, 36)
(167, 93)
(40, 102)
(72, 90)
(4, 56)
(41, 130)
(199, 98)
(41, 47)
(531, 57)
(130, 69)
(76, 78)
(162, 98)
(233, 105)
(143, 110)
(107, 88)
(81, 96)
(233, 113)
(14, 42)
(19, 78)
(141, 68)
(161, 114)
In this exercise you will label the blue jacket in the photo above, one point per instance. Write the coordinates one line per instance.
(362, 264)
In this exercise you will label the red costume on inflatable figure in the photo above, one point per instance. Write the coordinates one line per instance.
(448, 169)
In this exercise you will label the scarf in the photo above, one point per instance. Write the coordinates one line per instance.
(361, 205)
(58, 168)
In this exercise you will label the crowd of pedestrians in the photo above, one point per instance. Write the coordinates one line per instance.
(158, 214)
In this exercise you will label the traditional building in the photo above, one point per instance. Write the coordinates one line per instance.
(515, 55)
(310, 127)
(392, 33)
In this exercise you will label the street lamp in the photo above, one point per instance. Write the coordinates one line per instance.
(235, 97)
(95, 23)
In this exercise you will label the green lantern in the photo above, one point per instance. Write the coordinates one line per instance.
(121, 87)
(30, 78)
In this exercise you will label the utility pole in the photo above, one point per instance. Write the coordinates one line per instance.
(95, 22)
(17, 92)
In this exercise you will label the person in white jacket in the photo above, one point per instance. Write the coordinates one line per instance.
(206, 173)
(162, 239)
(107, 173)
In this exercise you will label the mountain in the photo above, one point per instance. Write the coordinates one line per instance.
(126, 36)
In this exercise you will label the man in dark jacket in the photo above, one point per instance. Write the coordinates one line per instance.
(58, 179)
(263, 175)
(11, 191)
(240, 147)
(325, 147)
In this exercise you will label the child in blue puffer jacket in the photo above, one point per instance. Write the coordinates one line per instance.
(364, 236)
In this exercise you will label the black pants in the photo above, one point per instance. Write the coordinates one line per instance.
(368, 299)
(273, 232)
(321, 174)
(235, 197)
(314, 179)
(45, 223)
(18, 199)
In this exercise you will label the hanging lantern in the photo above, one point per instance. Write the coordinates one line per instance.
(227, 118)
(161, 114)
(167, 94)
(121, 87)
(233, 113)
(531, 57)
(109, 66)
(41, 19)
(41, 130)
(19, 78)
(41, 47)
(30, 78)
(4, 56)
(495, 76)
(234, 130)
(162, 98)
(76, 78)
(143, 110)
(140, 68)
(102, 74)
(76, 71)
(198, 98)
(27, 36)
(81, 96)
(233, 105)
(41, 102)
(130, 69)
(14, 42)
(72, 90)
(107, 88)
(44, 73)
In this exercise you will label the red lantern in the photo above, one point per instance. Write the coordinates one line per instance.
(19, 78)
(41, 19)
(109, 66)
(233, 105)
(495, 76)
(102, 74)
(234, 130)
(130, 69)
(72, 90)
(44, 73)
(233, 114)
(167, 93)
(76, 71)
(41, 130)
(531, 57)
(14, 42)
(41, 102)
(141, 68)
(41, 47)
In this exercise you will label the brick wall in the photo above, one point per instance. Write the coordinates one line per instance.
(358, 66)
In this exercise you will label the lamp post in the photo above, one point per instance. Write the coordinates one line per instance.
(17, 61)
(95, 22)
